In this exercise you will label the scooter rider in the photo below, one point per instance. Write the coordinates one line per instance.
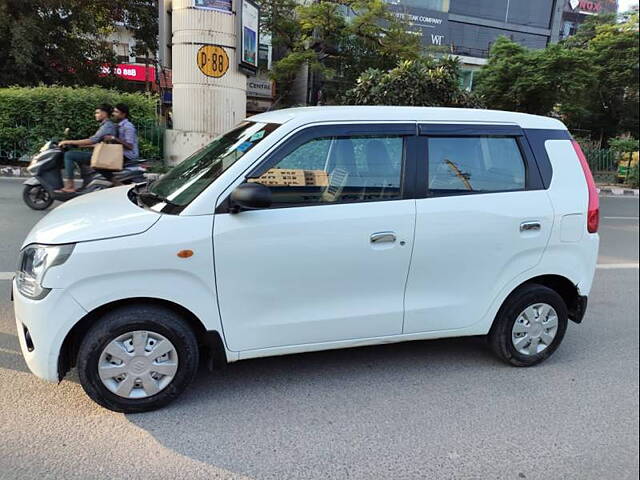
(127, 135)
(107, 128)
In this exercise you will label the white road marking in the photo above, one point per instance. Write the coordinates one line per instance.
(618, 266)
(621, 218)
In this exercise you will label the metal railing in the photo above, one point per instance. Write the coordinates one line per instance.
(19, 141)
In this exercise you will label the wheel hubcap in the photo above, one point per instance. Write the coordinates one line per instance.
(535, 329)
(138, 364)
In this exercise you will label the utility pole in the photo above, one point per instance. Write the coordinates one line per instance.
(209, 87)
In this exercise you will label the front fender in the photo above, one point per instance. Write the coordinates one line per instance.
(146, 265)
(32, 182)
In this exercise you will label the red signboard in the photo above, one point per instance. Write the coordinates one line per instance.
(136, 73)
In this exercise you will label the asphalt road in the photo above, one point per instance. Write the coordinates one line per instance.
(435, 409)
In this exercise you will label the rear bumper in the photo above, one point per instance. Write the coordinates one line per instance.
(42, 327)
(577, 313)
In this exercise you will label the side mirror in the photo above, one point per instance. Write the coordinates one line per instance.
(250, 196)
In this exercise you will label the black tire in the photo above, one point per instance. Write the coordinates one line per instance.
(127, 319)
(37, 197)
(500, 336)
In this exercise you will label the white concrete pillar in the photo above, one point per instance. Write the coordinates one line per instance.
(203, 106)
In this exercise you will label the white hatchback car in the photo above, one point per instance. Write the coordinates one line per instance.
(313, 229)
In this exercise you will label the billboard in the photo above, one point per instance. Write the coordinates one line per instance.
(249, 28)
(220, 5)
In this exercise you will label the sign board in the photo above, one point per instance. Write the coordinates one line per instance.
(259, 87)
(591, 7)
(431, 25)
(212, 60)
(249, 32)
(135, 73)
(220, 5)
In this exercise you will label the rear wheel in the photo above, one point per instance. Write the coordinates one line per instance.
(37, 197)
(137, 358)
(530, 326)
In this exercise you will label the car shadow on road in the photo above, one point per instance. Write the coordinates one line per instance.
(277, 414)
(10, 354)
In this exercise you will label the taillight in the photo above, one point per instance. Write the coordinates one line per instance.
(593, 211)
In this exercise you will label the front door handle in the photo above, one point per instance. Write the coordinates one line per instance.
(383, 237)
(530, 226)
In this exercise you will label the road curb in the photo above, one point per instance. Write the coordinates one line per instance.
(621, 191)
(21, 172)
(8, 171)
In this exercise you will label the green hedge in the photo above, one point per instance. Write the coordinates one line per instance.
(29, 116)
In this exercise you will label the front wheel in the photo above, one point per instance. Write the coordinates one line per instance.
(529, 326)
(37, 197)
(137, 358)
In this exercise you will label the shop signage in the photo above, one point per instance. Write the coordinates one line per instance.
(432, 26)
(259, 87)
(136, 73)
(587, 6)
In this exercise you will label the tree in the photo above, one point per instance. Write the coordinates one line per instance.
(426, 82)
(611, 107)
(336, 39)
(533, 81)
(590, 80)
(61, 41)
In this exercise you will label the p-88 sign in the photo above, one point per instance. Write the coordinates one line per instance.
(212, 60)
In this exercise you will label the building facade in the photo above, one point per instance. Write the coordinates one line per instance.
(468, 28)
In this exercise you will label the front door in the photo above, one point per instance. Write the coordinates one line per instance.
(329, 260)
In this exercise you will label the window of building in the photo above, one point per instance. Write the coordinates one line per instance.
(122, 52)
(475, 164)
(336, 170)
(142, 56)
(434, 5)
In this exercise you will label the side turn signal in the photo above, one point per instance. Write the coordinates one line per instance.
(185, 253)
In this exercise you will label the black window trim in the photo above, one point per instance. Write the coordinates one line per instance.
(407, 130)
(533, 177)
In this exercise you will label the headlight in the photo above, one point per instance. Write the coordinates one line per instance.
(34, 262)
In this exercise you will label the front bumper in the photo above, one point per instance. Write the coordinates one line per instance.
(47, 322)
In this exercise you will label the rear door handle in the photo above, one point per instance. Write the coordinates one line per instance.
(530, 226)
(382, 237)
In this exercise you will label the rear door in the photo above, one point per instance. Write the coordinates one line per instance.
(329, 260)
(483, 219)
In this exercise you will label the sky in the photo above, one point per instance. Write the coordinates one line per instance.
(624, 5)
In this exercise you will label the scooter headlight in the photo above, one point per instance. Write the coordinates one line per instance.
(33, 263)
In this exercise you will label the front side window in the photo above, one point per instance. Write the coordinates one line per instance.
(475, 164)
(188, 179)
(336, 170)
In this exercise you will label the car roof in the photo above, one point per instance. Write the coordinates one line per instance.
(305, 115)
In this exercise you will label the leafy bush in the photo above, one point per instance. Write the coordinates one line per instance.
(30, 116)
(426, 83)
(624, 144)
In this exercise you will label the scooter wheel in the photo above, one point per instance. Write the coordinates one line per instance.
(37, 197)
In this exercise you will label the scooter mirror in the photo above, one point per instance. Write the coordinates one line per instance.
(66, 131)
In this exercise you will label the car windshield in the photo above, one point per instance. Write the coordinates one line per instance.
(189, 178)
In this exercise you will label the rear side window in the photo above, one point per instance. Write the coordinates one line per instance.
(475, 164)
